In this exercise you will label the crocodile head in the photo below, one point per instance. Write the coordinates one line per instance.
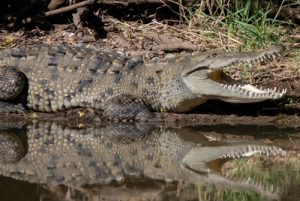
(205, 78)
(201, 159)
(207, 162)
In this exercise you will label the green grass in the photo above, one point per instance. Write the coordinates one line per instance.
(243, 22)
(285, 176)
(6, 41)
(226, 195)
(296, 56)
(254, 29)
(242, 26)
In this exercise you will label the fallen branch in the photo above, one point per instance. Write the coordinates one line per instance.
(68, 8)
(127, 2)
(169, 44)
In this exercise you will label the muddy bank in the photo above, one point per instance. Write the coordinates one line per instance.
(87, 118)
(292, 121)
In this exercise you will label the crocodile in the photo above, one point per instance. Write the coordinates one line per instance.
(56, 154)
(56, 78)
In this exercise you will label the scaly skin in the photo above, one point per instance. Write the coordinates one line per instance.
(55, 78)
(79, 157)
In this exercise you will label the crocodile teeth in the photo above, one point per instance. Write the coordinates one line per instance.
(254, 92)
(254, 150)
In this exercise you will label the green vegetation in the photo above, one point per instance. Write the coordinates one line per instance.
(6, 41)
(283, 174)
(215, 195)
(244, 23)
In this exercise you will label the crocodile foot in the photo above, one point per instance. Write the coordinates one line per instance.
(12, 82)
(127, 107)
(8, 110)
(11, 148)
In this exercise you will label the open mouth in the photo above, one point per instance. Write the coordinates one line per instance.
(252, 91)
(208, 80)
(249, 91)
(204, 159)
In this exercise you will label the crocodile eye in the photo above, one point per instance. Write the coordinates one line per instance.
(158, 71)
(196, 69)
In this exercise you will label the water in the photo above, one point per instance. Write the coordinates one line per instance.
(51, 161)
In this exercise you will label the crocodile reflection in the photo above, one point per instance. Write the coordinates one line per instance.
(11, 147)
(57, 154)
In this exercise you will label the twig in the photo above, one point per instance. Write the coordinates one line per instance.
(68, 8)
(126, 2)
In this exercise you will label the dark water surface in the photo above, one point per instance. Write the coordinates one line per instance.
(50, 161)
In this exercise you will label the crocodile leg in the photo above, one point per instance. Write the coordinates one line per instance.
(11, 109)
(12, 82)
(128, 107)
(12, 148)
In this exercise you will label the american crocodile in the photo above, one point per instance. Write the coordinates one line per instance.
(56, 78)
(55, 154)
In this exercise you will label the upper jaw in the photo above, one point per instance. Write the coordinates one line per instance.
(225, 60)
(228, 59)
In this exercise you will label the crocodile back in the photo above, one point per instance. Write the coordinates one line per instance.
(61, 77)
